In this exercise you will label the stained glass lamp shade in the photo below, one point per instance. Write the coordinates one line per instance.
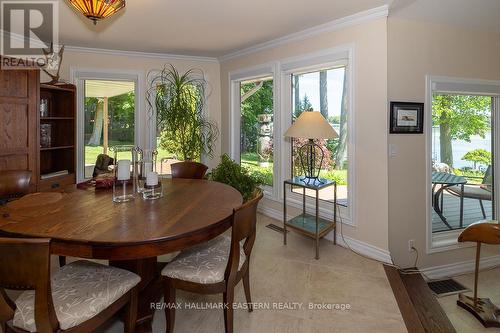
(97, 10)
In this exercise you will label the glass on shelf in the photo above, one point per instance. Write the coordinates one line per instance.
(45, 135)
(44, 108)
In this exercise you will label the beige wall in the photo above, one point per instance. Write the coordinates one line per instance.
(370, 89)
(85, 60)
(390, 209)
(416, 49)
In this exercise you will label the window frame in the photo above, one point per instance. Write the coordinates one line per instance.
(447, 240)
(235, 80)
(281, 71)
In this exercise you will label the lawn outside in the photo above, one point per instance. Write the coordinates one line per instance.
(91, 153)
(251, 162)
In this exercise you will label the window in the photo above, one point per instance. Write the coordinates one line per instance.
(265, 100)
(324, 91)
(462, 160)
(109, 118)
(256, 128)
(462, 151)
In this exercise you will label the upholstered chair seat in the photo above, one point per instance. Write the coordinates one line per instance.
(204, 263)
(216, 266)
(80, 291)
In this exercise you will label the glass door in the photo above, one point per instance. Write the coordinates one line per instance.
(462, 160)
(109, 119)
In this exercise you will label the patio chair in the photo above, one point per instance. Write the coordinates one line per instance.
(476, 191)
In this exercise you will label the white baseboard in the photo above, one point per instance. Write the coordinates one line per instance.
(463, 267)
(362, 248)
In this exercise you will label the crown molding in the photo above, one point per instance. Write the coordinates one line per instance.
(140, 54)
(341, 23)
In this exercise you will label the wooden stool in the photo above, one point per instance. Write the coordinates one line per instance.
(483, 309)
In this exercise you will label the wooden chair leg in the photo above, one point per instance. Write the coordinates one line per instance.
(62, 261)
(246, 286)
(170, 305)
(482, 208)
(228, 297)
(131, 312)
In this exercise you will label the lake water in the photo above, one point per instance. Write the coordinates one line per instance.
(460, 148)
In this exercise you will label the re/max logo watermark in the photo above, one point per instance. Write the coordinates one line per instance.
(28, 28)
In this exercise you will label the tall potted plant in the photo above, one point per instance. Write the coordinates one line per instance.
(180, 100)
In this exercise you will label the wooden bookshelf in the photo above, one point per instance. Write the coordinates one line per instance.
(57, 148)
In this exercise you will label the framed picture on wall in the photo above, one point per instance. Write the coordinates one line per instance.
(406, 118)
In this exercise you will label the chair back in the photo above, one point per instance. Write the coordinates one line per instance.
(243, 227)
(487, 179)
(25, 265)
(14, 183)
(189, 170)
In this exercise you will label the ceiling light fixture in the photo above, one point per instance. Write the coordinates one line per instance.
(97, 10)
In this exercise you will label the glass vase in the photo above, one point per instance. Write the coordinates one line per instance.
(152, 192)
(125, 182)
(146, 162)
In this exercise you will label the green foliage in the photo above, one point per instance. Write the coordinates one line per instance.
(473, 176)
(305, 105)
(334, 119)
(465, 115)
(323, 146)
(259, 103)
(121, 116)
(480, 156)
(264, 174)
(340, 176)
(121, 112)
(233, 174)
(180, 100)
(90, 114)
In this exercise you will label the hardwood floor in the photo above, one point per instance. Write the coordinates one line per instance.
(420, 309)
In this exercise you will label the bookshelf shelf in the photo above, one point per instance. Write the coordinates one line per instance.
(57, 136)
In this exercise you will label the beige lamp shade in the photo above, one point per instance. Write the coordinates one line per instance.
(311, 125)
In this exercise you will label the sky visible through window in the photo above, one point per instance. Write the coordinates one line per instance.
(309, 85)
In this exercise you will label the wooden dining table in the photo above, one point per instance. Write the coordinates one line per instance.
(86, 223)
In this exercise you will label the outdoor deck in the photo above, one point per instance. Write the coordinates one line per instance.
(472, 213)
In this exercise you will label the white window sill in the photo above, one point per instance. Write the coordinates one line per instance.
(446, 241)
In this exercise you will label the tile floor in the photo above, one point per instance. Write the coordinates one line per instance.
(291, 274)
(462, 320)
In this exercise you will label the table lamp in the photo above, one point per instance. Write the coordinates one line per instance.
(311, 125)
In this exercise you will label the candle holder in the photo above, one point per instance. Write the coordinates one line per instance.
(123, 190)
(146, 162)
(152, 192)
(124, 185)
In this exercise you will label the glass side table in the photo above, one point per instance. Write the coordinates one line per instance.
(306, 224)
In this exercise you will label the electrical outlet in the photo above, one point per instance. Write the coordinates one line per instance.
(411, 245)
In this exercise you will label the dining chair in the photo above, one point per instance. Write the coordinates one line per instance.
(189, 170)
(14, 183)
(216, 266)
(78, 298)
